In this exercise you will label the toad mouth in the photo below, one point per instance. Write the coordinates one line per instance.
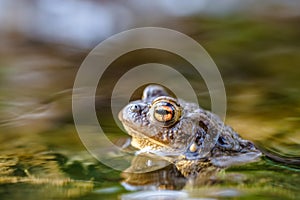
(139, 138)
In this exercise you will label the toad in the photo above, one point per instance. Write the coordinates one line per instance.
(184, 133)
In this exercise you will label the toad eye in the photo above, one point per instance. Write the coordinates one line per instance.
(165, 111)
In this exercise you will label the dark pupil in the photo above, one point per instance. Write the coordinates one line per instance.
(165, 112)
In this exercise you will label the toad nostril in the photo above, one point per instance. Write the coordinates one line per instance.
(135, 108)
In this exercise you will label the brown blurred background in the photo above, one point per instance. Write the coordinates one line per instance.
(255, 45)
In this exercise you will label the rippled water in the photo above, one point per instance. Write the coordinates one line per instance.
(42, 157)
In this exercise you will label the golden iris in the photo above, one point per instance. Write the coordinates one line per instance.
(165, 110)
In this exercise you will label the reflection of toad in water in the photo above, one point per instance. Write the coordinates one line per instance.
(194, 140)
(160, 174)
